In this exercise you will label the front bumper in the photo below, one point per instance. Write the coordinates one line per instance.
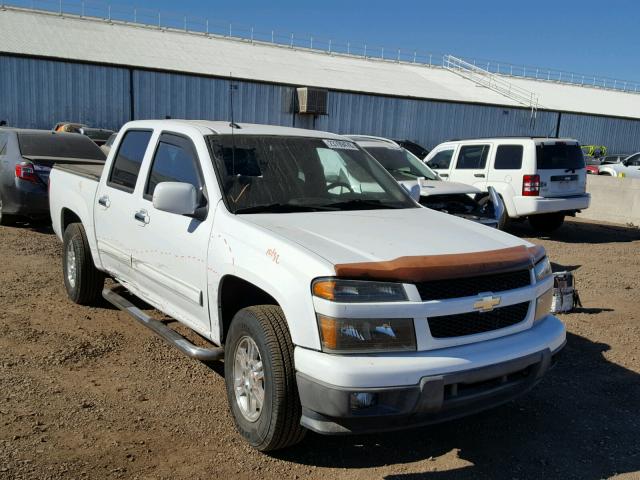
(536, 205)
(491, 376)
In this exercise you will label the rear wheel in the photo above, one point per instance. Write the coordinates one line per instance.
(260, 379)
(546, 222)
(82, 279)
(5, 219)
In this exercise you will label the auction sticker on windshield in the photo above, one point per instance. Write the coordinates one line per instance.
(340, 144)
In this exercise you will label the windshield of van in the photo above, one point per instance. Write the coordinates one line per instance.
(400, 163)
(559, 156)
(59, 145)
(280, 174)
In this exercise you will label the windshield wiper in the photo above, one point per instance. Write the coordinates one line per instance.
(359, 204)
(281, 208)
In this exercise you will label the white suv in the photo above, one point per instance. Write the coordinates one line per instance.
(542, 179)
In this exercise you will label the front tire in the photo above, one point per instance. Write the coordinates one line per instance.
(546, 222)
(260, 379)
(82, 279)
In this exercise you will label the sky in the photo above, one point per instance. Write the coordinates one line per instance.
(591, 37)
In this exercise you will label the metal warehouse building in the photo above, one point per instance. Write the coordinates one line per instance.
(63, 67)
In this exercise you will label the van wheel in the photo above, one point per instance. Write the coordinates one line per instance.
(547, 222)
(82, 279)
(260, 379)
(6, 220)
(487, 208)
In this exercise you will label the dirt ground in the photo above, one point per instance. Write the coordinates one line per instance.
(88, 393)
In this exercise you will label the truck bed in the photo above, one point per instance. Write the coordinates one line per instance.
(92, 171)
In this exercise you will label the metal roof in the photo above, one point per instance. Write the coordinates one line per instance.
(118, 43)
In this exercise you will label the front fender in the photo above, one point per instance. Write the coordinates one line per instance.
(282, 269)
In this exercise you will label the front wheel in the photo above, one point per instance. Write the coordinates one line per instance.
(260, 379)
(546, 222)
(82, 279)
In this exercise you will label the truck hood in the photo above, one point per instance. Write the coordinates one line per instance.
(379, 235)
(438, 187)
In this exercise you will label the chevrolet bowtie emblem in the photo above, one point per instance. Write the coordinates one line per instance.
(487, 304)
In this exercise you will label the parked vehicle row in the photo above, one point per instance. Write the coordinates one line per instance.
(339, 304)
(627, 167)
(539, 179)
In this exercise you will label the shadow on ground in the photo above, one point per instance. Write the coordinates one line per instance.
(582, 232)
(580, 422)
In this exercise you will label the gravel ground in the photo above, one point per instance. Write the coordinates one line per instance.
(88, 393)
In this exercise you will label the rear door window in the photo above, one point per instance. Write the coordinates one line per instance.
(559, 156)
(472, 157)
(126, 165)
(509, 157)
(441, 160)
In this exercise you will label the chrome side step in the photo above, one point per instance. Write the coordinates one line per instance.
(170, 336)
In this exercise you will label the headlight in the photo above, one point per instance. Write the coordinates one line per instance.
(358, 291)
(542, 269)
(543, 305)
(366, 335)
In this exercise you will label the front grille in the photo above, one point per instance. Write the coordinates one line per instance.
(471, 286)
(477, 322)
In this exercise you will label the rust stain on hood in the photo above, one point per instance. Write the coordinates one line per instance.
(440, 267)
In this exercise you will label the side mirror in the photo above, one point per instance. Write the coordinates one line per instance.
(413, 191)
(175, 197)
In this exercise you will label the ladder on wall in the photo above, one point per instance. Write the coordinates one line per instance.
(492, 81)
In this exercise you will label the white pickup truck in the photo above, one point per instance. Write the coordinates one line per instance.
(337, 308)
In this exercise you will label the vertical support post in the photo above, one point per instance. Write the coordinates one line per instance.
(311, 43)
(398, 55)
(272, 37)
(430, 55)
(159, 21)
(365, 50)
(348, 48)
(292, 40)
(109, 12)
(252, 35)
(207, 26)
(511, 70)
(329, 45)
(185, 23)
(229, 29)
(415, 54)
(382, 54)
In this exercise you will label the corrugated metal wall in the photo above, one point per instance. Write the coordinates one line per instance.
(428, 122)
(157, 95)
(618, 134)
(38, 93)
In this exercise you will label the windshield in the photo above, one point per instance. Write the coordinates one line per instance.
(559, 156)
(292, 174)
(400, 163)
(60, 145)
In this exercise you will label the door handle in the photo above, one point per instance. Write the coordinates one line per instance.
(444, 175)
(142, 216)
(104, 201)
(479, 175)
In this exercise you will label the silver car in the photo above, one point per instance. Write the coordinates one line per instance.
(26, 158)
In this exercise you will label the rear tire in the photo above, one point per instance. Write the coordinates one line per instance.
(547, 222)
(270, 373)
(82, 279)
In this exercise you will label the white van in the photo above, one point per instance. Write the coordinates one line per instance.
(542, 179)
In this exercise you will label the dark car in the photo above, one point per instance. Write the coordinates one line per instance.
(26, 158)
(418, 150)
